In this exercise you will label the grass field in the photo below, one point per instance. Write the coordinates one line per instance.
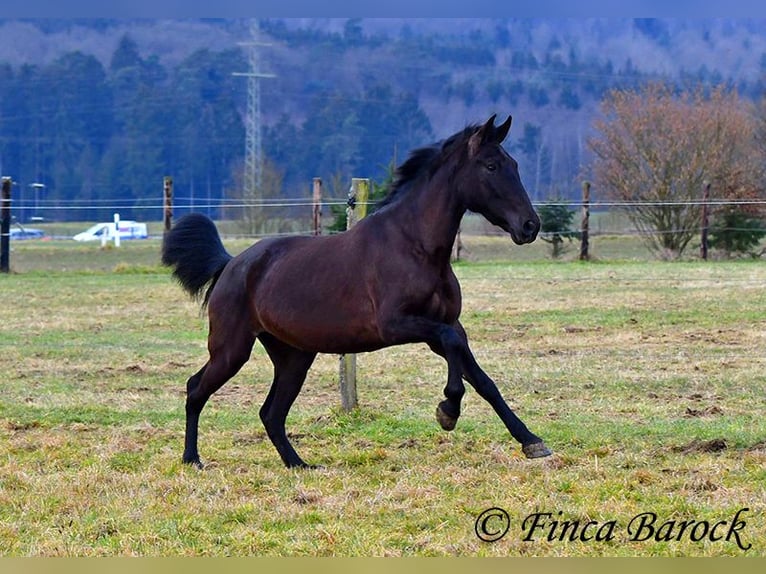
(646, 378)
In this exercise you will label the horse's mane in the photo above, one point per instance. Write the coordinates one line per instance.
(423, 160)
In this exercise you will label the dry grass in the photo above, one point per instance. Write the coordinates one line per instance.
(646, 378)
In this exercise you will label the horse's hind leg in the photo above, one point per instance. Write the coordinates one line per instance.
(291, 366)
(191, 455)
(226, 358)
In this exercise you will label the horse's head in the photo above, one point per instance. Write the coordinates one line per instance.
(491, 184)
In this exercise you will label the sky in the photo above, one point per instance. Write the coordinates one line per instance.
(378, 8)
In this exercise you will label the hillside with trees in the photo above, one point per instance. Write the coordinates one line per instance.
(99, 110)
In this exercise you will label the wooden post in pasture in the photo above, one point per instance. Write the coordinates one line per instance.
(585, 222)
(357, 201)
(355, 210)
(705, 222)
(457, 247)
(317, 206)
(167, 186)
(5, 226)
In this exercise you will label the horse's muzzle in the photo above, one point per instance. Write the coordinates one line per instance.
(530, 229)
(528, 232)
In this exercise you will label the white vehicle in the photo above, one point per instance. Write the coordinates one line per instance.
(128, 230)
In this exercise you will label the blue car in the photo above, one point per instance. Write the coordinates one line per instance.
(26, 233)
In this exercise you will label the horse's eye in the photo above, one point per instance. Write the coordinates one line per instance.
(491, 166)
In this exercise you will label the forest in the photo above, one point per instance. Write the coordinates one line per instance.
(93, 113)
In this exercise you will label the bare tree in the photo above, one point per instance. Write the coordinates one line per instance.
(252, 216)
(654, 150)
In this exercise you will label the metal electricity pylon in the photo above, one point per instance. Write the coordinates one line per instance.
(253, 177)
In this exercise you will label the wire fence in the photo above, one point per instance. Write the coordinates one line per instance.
(190, 203)
(27, 212)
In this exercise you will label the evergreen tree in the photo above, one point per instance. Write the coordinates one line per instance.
(737, 232)
(125, 55)
(556, 225)
(77, 124)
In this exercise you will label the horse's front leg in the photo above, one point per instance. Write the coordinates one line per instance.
(531, 445)
(443, 340)
(448, 410)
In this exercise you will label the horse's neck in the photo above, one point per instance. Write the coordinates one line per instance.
(431, 217)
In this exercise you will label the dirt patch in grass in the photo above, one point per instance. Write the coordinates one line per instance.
(712, 411)
(759, 446)
(712, 445)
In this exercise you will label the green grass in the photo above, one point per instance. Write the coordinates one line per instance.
(632, 370)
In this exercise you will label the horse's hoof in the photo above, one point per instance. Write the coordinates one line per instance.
(536, 450)
(195, 462)
(301, 465)
(447, 422)
(304, 466)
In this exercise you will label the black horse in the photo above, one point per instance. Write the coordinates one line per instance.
(387, 281)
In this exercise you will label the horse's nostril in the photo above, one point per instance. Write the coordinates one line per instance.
(529, 227)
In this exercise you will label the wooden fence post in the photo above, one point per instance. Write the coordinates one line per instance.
(167, 185)
(457, 246)
(317, 206)
(585, 223)
(705, 222)
(5, 226)
(357, 201)
(356, 210)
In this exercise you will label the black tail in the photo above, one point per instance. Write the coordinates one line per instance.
(194, 250)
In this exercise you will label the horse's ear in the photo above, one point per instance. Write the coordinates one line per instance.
(484, 134)
(502, 131)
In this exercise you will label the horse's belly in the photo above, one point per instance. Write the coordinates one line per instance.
(347, 326)
(320, 338)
